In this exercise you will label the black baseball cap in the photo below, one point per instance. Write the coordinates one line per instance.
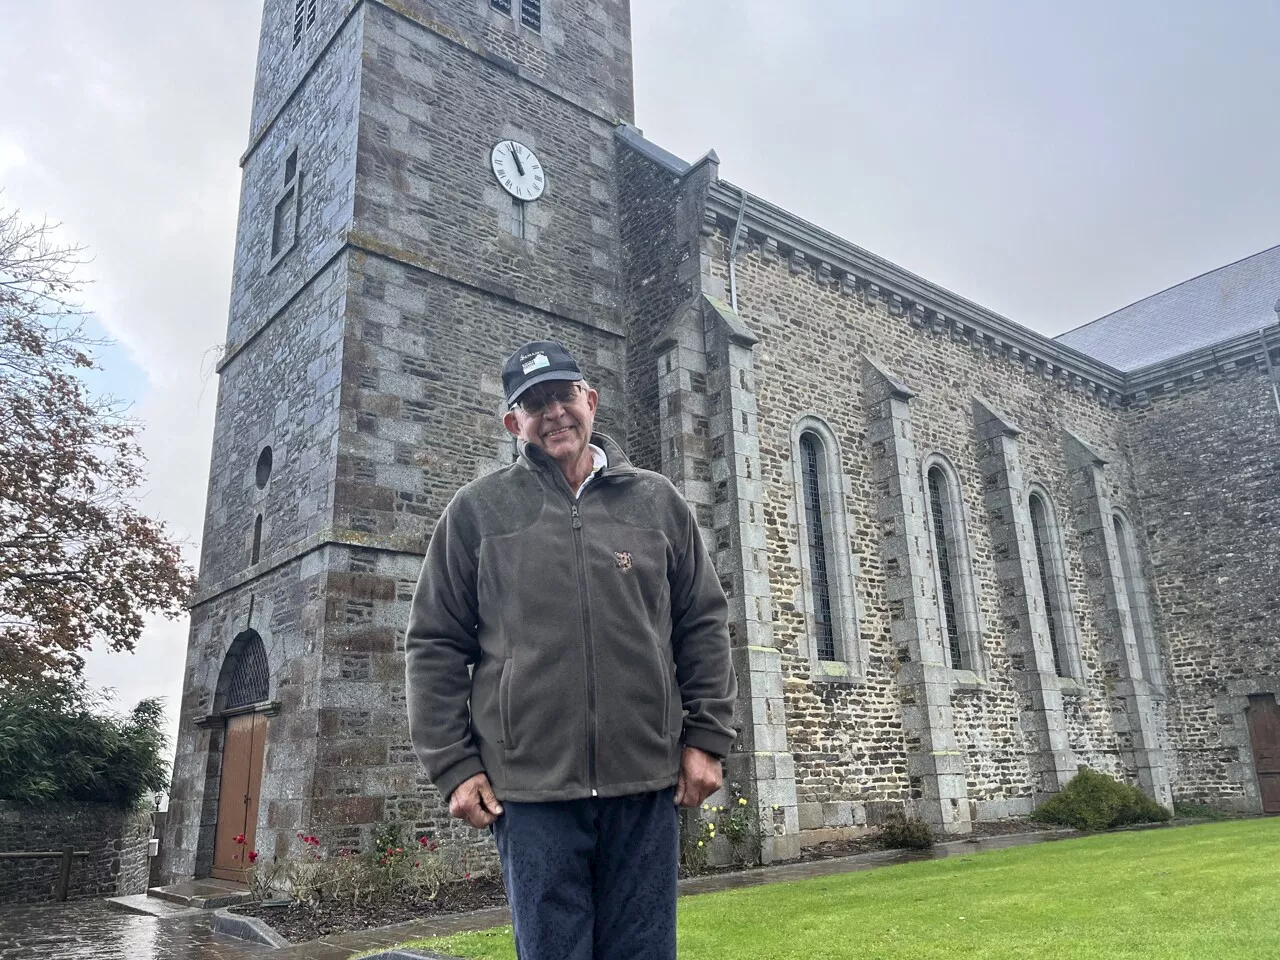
(537, 362)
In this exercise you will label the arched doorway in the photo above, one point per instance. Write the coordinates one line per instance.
(243, 689)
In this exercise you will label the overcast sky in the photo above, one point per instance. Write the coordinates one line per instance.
(1051, 161)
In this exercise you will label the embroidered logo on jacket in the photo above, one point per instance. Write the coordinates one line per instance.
(622, 559)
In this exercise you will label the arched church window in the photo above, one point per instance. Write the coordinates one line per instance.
(944, 564)
(953, 579)
(827, 563)
(250, 676)
(1136, 593)
(1053, 582)
(815, 533)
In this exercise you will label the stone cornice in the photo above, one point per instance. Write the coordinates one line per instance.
(329, 537)
(784, 237)
(1239, 354)
(924, 305)
(360, 242)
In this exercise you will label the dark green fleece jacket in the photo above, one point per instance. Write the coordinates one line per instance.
(567, 648)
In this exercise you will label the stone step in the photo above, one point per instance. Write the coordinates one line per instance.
(150, 906)
(206, 894)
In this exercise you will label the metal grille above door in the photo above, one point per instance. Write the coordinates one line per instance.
(250, 679)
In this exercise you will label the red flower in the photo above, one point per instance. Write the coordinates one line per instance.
(253, 855)
(423, 841)
(240, 838)
(416, 863)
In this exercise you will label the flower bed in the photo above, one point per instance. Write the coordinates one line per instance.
(298, 923)
(314, 892)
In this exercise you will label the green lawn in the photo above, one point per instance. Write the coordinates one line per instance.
(1193, 893)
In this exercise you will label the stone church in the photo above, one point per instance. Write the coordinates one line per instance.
(962, 558)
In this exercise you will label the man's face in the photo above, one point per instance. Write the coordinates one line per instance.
(556, 416)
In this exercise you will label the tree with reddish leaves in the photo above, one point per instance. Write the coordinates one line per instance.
(79, 562)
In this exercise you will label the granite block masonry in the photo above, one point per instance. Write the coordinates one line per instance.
(961, 558)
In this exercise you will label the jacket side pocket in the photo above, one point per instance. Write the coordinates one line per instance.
(504, 703)
(664, 671)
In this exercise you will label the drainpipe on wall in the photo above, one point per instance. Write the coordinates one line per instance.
(733, 252)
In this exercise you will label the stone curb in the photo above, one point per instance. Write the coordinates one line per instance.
(246, 928)
(405, 955)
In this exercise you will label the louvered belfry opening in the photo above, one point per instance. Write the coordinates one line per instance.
(942, 557)
(250, 677)
(531, 14)
(1039, 531)
(823, 628)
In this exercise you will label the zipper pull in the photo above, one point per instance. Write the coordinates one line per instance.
(577, 520)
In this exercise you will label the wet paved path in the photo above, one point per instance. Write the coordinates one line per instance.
(91, 930)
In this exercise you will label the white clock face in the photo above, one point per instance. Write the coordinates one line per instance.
(518, 170)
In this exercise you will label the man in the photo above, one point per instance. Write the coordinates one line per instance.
(577, 590)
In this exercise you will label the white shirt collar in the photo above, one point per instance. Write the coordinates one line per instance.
(598, 462)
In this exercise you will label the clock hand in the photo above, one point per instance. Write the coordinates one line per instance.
(516, 157)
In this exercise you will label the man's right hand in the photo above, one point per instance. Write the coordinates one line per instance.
(474, 802)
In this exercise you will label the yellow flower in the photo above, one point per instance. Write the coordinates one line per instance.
(699, 843)
(742, 801)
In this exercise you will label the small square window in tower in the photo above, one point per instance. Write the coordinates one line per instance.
(531, 14)
(502, 6)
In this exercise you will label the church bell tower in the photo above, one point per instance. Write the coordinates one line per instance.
(426, 185)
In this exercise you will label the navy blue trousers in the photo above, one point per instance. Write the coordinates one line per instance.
(592, 879)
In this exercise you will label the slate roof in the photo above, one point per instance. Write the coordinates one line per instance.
(1228, 302)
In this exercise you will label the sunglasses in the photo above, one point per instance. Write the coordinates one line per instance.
(534, 402)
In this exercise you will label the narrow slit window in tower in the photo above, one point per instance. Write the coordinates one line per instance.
(517, 217)
(257, 540)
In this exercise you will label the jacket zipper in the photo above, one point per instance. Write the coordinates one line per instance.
(579, 552)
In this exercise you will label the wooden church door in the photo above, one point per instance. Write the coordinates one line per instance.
(1264, 731)
(238, 794)
(243, 689)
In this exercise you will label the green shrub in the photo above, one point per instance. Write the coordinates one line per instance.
(1094, 801)
(57, 744)
(907, 833)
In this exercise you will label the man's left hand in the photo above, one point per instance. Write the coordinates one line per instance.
(700, 776)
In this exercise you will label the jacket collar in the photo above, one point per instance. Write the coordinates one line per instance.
(533, 457)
